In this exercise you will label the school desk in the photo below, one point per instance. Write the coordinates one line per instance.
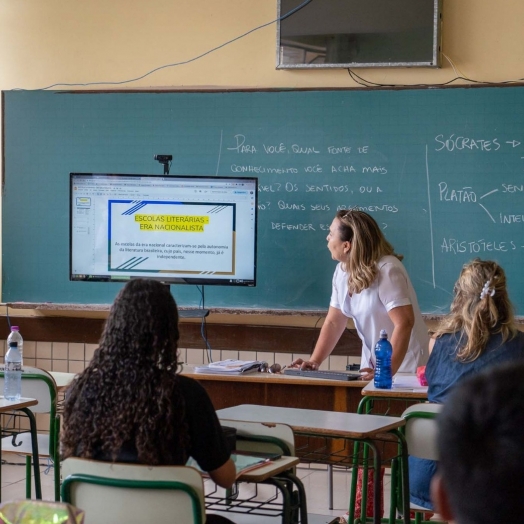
(334, 425)
(23, 405)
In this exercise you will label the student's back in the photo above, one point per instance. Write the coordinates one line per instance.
(444, 370)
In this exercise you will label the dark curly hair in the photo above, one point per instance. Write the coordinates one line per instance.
(129, 394)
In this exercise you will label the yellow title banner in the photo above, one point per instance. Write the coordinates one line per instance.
(174, 223)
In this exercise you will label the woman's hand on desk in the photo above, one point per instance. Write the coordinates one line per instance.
(367, 373)
(305, 364)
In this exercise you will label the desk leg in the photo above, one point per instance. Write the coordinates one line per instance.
(377, 495)
(287, 510)
(36, 459)
(365, 405)
(404, 482)
(301, 493)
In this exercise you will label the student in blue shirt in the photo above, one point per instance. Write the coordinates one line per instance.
(479, 332)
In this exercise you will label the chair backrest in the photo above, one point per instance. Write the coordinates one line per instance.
(257, 436)
(39, 384)
(421, 430)
(114, 493)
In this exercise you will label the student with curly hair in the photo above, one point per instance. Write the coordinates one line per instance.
(131, 405)
(479, 332)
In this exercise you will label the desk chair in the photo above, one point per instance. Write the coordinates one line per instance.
(272, 438)
(420, 432)
(38, 384)
(113, 493)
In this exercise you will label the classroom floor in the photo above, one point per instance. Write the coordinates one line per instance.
(314, 477)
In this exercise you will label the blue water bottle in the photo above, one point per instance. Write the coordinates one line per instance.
(383, 351)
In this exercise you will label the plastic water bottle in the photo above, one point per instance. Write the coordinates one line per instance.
(13, 373)
(15, 336)
(383, 351)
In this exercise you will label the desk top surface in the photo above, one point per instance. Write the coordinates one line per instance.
(62, 379)
(269, 470)
(8, 405)
(268, 378)
(329, 423)
(405, 386)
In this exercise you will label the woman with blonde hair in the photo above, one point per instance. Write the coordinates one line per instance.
(371, 286)
(479, 332)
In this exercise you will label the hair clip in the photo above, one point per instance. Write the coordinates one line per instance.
(486, 290)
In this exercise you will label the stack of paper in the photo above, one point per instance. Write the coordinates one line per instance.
(410, 382)
(230, 367)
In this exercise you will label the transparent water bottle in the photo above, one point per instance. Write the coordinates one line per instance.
(383, 352)
(15, 336)
(13, 373)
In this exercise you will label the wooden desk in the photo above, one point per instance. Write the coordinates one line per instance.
(350, 426)
(276, 473)
(266, 389)
(271, 469)
(414, 393)
(23, 405)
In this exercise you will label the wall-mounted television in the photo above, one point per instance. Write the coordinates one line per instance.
(359, 33)
(176, 229)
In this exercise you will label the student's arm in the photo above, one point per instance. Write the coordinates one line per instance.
(331, 331)
(225, 475)
(403, 320)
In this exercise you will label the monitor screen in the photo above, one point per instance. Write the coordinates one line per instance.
(176, 229)
(359, 33)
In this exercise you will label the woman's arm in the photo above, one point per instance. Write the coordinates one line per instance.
(331, 331)
(403, 320)
(225, 475)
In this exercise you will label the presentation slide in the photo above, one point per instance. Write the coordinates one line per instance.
(187, 229)
(171, 237)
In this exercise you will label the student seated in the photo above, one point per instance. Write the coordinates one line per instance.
(479, 332)
(131, 405)
(480, 443)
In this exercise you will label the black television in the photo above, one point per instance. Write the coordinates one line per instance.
(359, 33)
(175, 229)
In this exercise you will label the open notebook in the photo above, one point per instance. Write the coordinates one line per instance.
(243, 463)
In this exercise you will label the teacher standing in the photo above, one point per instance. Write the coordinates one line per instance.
(371, 286)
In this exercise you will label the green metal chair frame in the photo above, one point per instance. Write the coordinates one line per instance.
(118, 482)
(33, 374)
(420, 412)
(133, 484)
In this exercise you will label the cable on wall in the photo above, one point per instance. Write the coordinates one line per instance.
(175, 64)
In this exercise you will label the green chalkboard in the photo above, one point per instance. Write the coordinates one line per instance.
(441, 170)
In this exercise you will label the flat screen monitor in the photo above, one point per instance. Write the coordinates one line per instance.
(359, 33)
(176, 229)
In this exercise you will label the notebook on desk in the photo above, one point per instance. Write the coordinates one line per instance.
(326, 374)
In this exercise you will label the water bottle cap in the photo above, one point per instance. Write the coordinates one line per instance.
(15, 328)
(383, 333)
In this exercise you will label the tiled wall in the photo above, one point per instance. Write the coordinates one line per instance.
(55, 356)
(73, 357)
